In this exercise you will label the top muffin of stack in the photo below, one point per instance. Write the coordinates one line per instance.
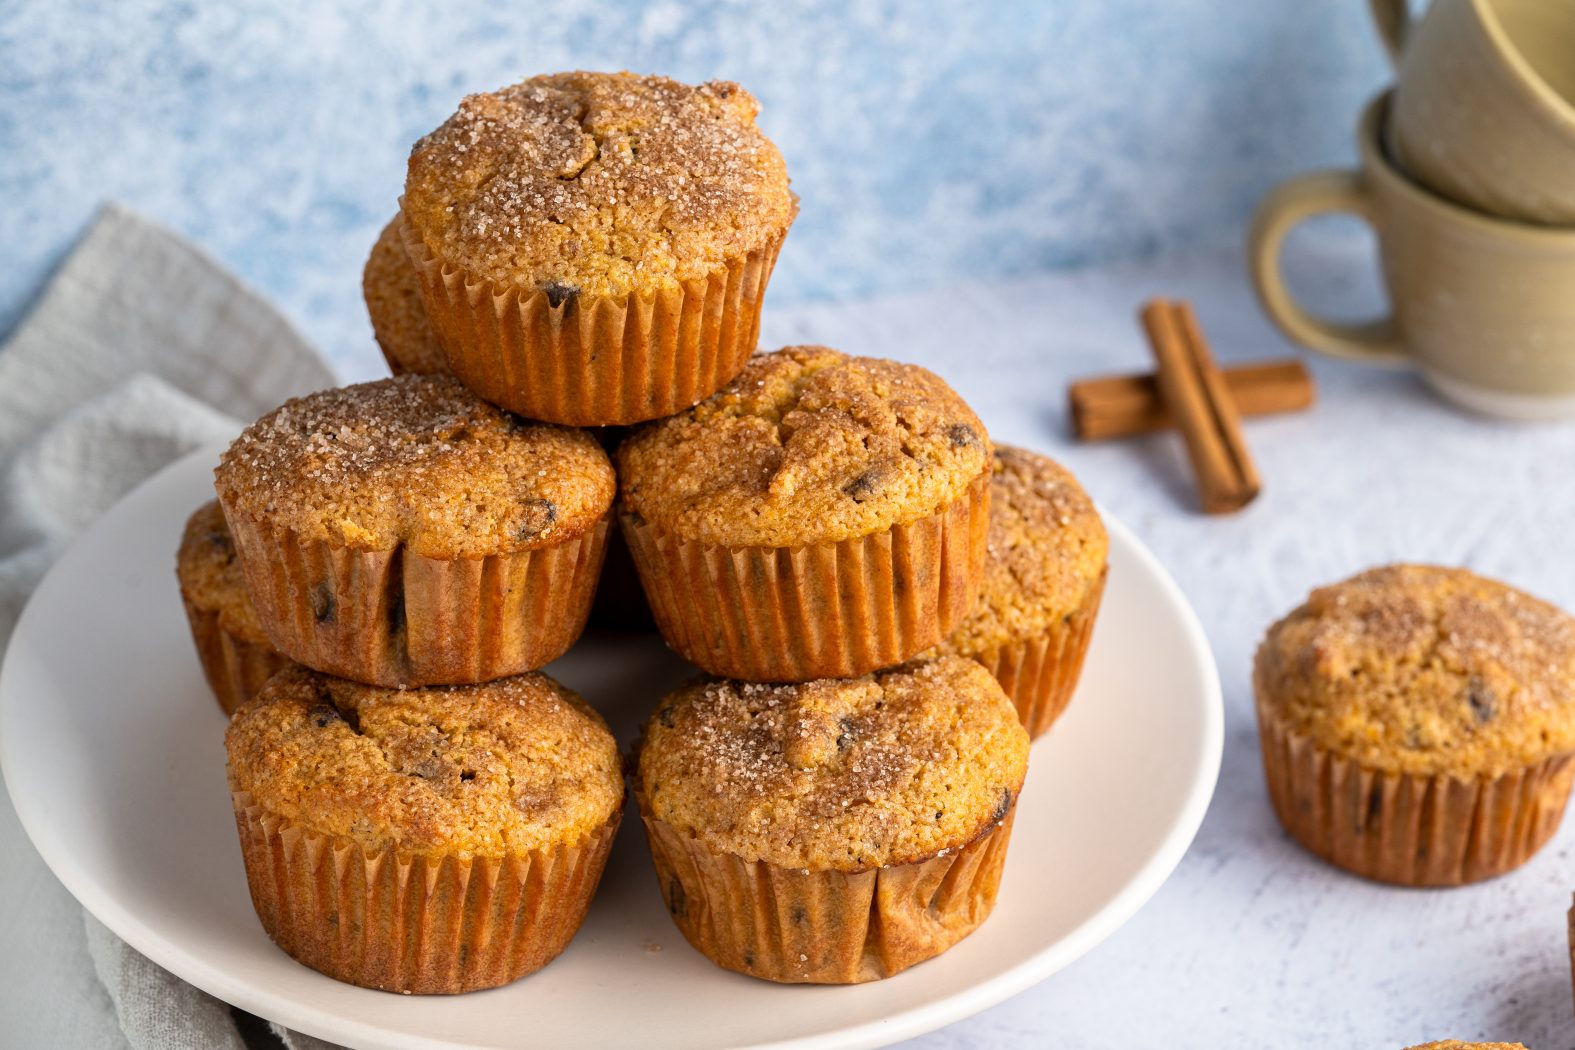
(593, 248)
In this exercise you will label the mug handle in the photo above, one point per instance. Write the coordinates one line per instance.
(1393, 19)
(1281, 211)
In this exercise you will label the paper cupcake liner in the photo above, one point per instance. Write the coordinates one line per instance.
(234, 667)
(807, 927)
(1040, 673)
(413, 923)
(1409, 829)
(394, 618)
(1572, 946)
(589, 360)
(830, 610)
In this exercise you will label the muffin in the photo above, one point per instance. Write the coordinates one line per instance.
(405, 532)
(1455, 1044)
(593, 247)
(1043, 578)
(819, 517)
(236, 655)
(393, 301)
(424, 841)
(832, 832)
(1418, 724)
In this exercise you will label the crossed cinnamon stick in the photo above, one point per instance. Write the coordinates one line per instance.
(1192, 394)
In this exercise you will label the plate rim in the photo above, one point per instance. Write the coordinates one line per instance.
(905, 1024)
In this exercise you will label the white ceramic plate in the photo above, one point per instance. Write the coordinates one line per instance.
(111, 747)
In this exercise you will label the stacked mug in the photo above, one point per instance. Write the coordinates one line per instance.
(1468, 180)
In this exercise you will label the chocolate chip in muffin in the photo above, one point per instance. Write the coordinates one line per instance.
(961, 435)
(325, 715)
(867, 485)
(538, 516)
(1480, 697)
(323, 604)
(846, 733)
(558, 294)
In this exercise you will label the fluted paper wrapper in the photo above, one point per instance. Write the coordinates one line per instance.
(1040, 673)
(413, 923)
(395, 618)
(234, 667)
(798, 927)
(589, 360)
(1572, 945)
(1409, 829)
(830, 610)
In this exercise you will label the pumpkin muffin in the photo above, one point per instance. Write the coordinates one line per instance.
(236, 655)
(819, 517)
(1418, 724)
(835, 831)
(393, 301)
(424, 840)
(405, 532)
(593, 247)
(1043, 578)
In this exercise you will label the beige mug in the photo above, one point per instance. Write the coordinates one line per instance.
(1484, 308)
(1484, 103)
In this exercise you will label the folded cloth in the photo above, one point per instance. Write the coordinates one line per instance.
(141, 349)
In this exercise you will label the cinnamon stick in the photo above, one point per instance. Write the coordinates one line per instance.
(1105, 407)
(1195, 394)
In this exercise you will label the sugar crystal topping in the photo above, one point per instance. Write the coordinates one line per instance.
(598, 182)
(884, 769)
(807, 445)
(417, 460)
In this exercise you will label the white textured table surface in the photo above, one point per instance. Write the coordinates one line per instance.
(1253, 942)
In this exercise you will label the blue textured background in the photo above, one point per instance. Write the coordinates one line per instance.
(931, 141)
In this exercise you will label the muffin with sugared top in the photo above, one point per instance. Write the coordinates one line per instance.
(235, 653)
(406, 532)
(1455, 1044)
(1043, 579)
(819, 517)
(1418, 723)
(593, 247)
(393, 302)
(425, 841)
(832, 831)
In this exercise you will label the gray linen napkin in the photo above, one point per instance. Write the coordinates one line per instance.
(141, 349)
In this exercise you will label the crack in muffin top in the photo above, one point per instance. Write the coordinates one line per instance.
(210, 576)
(420, 461)
(1047, 549)
(481, 770)
(601, 183)
(841, 775)
(394, 304)
(1424, 670)
(807, 445)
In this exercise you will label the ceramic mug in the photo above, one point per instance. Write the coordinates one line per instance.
(1484, 106)
(1483, 307)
